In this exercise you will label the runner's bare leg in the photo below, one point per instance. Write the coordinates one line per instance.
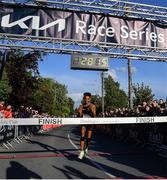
(89, 136)
(82, 141)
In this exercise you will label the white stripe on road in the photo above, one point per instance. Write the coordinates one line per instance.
(91, 160)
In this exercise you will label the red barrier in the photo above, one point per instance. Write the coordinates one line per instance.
(46, 127)
(56, 125)
(50, 126)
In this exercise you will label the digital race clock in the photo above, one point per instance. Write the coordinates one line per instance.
(89, 62)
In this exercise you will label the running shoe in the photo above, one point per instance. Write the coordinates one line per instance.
(81, 154)
(86, 151)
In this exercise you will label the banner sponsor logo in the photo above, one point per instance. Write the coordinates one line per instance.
(8, 122)
(35, 23)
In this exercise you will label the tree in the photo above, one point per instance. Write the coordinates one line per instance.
(142, 93)
(22, 72)
(71, 105)
(97, 100)
(51, 97)
(61, 100)
(42, 98)
(24, 86)
(5, 88)
(114, 96)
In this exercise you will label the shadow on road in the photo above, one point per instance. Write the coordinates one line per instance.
(128, 160)
(118, 173)
(51, 135)
(34, 151)
(18, 171)
(72, 173)
(69, 155)
(44, 146)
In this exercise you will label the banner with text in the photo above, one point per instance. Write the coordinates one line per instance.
(45, 22)
(78, 121)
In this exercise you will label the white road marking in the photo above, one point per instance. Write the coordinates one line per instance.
(91, 160)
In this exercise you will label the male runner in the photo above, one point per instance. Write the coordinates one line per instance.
(86, 110)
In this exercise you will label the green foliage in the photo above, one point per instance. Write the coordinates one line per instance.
(142, 93)
(43, 97)
(5, 90)
(71, 105)
(114, 96)
(22, 72)
(61, 100)
(97, 100)
(51, 97)
(24, 86)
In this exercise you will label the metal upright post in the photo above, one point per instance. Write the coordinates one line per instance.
(130, 88)
(102, 91)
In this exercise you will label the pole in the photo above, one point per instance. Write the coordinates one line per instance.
(130, 88)
(102, 91)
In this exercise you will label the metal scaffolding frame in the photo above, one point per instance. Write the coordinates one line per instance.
(54, 45)
(114, 7)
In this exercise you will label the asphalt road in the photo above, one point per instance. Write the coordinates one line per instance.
(54, 154)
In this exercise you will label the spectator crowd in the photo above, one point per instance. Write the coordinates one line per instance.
(153, 108)
(138, 133)
(7, 111)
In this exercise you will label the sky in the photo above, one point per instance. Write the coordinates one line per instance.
(154, 74)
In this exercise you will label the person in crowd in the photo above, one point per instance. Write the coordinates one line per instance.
(116, 112)
(161, 112)
(144, 104)
(27, 112)
(147, 112)
(121, 113)
(106, 114)
(21, 112)
(131, 114)
(126, 112)
(155, 108)
(143, 108)
(137, 112)
(87, 110)
(8, 112)
(161, 103)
